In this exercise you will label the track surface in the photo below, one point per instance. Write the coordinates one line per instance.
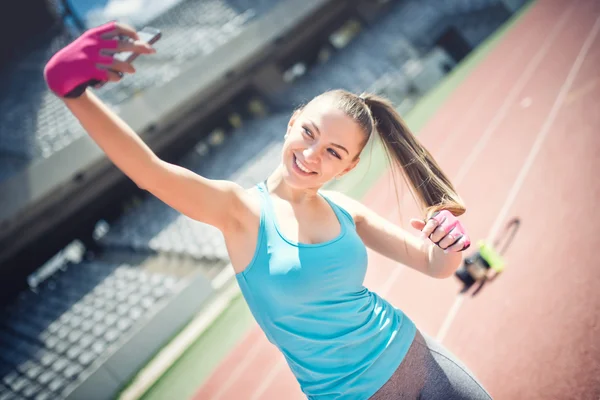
(518, 138)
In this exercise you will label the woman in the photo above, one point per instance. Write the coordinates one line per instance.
(299, 253)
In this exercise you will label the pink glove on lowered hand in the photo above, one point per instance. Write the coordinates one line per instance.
(73, 68)
(445, 230)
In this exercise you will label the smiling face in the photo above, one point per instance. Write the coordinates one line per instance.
(322, 143)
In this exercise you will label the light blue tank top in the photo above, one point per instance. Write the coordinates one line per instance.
(340, 340)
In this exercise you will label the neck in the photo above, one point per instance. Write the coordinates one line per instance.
(277, 185)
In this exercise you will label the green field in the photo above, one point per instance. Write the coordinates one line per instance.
(183, 378)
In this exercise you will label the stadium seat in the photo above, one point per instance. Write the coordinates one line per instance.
(36, 124)
(56, 337)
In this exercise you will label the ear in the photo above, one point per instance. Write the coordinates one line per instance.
(293, 119)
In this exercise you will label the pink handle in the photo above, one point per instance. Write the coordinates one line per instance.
(73, 68)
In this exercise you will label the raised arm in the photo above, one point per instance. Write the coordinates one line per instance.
(394, 242)
(88, 60)
(215, 202)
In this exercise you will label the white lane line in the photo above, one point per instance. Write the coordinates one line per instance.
(537, 145)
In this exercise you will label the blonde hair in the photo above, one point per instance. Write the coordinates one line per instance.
(430, 185)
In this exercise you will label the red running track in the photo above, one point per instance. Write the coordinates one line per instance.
(518, 138)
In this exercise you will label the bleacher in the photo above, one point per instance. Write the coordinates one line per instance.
(87, 324)
(54, 337)
(47, 193)
(36, 125)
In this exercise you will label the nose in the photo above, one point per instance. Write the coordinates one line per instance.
(311, 155)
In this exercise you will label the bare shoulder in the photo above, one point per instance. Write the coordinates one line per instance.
(249, 208)
(241, 237)
(252, 199)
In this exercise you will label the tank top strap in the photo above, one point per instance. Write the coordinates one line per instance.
(265, 198)
(343, 216)
(266, 205)
(262, 188)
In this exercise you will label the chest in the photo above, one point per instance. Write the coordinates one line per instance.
(313, 272)
(310, 255)
(314, 254)
(313, 224)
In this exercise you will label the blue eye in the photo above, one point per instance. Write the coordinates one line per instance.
(334, 153)
(307, 132)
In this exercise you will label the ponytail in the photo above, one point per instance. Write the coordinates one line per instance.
(431, 187)
(428, 182)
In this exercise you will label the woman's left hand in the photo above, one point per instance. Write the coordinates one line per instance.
(445, 230)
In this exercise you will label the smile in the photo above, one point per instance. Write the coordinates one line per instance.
(302, 167)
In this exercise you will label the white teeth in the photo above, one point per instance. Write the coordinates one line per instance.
(302, 167)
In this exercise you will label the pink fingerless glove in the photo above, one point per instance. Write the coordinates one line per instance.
(450, 223)
(73, 68)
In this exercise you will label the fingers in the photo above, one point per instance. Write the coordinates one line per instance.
(110, 47)
(119, 42)
(460, 245)
(137, 46)
(439, 232)
(430, 226)
(120, 29)
(114, 57)
(118, 66)
(450, 239)
(113, 76)
(454, 240)
(104, 75)
(446, 231)
(438, 226)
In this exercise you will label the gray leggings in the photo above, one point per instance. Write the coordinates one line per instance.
(431, 372)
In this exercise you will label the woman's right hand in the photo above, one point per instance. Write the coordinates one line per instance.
(89, 59)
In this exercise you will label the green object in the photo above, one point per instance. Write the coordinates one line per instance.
(491, 256)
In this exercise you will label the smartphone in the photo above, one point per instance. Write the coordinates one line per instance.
(148, 34)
